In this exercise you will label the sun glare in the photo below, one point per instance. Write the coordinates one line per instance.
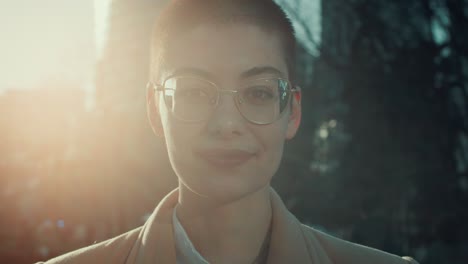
(101, 14)
(46, 41)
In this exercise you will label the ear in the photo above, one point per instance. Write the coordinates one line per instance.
(152, 110)
(295, 115)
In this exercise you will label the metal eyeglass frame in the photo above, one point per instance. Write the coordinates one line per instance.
(235, 93)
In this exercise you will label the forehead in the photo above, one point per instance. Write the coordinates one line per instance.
(226, 51)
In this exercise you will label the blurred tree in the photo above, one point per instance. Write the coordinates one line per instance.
(391, 135)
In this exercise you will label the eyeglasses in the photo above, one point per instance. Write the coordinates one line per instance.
(260, 101)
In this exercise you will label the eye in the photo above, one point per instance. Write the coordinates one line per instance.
(259, 94)
(192, 94)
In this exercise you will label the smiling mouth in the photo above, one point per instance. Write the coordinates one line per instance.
(225, 158)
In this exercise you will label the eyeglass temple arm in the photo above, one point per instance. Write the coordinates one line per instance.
(296, 89)
(156, 87)
(297, 93)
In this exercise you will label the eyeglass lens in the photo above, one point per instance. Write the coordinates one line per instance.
(193, 99)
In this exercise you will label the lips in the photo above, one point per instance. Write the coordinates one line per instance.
(225, 158)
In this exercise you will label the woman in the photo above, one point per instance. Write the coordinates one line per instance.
(222, 96)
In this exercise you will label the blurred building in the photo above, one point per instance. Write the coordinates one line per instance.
(71, 174)
(121, 77)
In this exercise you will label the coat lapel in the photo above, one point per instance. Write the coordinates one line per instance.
(155, 243)
(288, 241)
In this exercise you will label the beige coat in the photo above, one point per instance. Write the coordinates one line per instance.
(291, 242)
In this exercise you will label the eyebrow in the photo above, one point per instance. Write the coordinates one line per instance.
(192, 71)
(261, 70)
(244, 75)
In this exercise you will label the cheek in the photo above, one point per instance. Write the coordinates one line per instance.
(175, 136)
(272, 139)
(179, 142)
(179, 137)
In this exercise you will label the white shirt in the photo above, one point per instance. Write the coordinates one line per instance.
(185, 251)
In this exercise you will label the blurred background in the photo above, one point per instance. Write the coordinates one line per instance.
(381, 158)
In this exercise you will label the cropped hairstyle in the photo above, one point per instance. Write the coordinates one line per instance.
(180, 16)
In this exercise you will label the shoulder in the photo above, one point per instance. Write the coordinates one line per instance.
(113, 250)
(341, 251)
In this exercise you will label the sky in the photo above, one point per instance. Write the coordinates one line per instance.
(48, 41)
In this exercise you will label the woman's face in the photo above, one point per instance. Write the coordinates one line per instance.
(225, 156)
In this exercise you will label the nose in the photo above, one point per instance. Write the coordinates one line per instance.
(226, 121)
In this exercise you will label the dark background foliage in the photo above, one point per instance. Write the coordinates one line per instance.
(381, 158)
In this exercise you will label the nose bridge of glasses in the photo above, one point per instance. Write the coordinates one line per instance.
(233, 93)
(221, 91)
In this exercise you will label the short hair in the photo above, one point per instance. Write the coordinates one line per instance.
(180, 16)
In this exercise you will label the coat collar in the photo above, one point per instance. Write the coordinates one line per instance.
(155, 242)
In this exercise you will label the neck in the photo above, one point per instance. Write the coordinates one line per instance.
(233, 231)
